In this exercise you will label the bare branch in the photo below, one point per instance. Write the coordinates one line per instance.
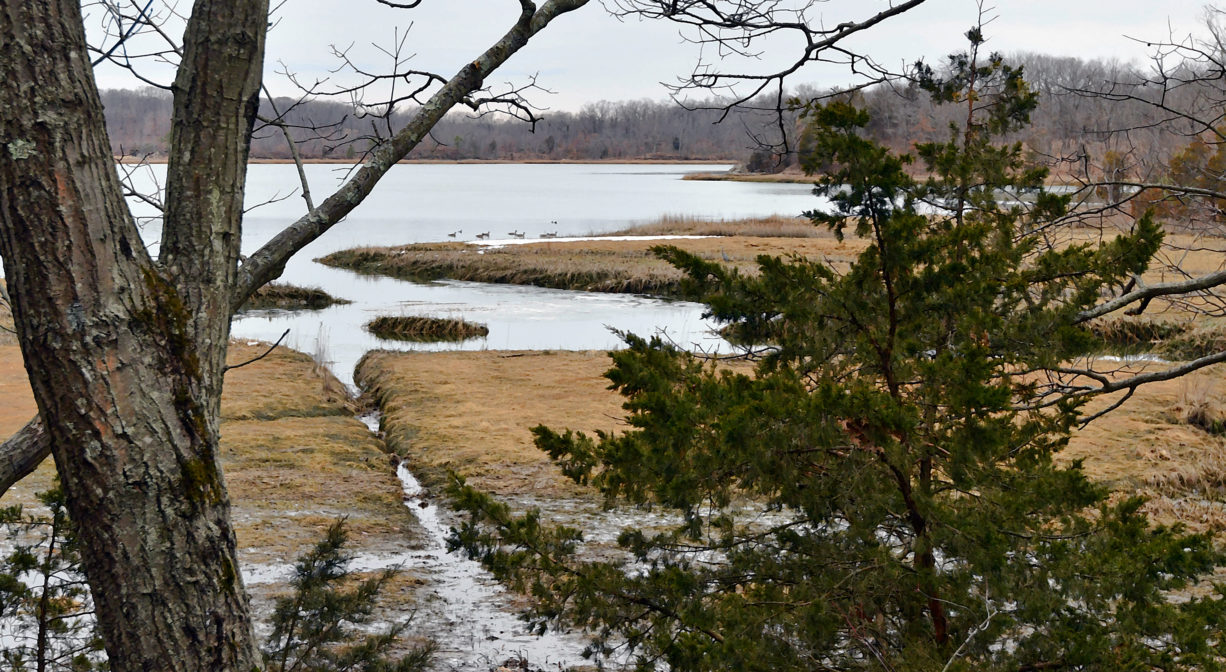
(256, 359)
(734, 28)
(279, 122)
(22, 453)
(1152, 291)
(268, 262)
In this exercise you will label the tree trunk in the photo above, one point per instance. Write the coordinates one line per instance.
(125, 354)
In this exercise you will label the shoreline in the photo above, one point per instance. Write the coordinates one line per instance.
(161, 160)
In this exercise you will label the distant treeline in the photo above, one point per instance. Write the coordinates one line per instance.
(139, 125)
(1075, 127)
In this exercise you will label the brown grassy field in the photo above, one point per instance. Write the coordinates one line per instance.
(1155, 446)
(293, 456)
(295, 459)
(471, 411)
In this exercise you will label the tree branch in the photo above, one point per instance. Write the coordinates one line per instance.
(268, 262)
(22, 453)
(1203, 282)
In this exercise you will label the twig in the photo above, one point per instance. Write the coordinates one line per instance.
(256, 359)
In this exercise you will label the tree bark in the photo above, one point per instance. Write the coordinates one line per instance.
(124, 354)
(22, 453)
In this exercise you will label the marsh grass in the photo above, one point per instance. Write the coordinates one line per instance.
(624, 266)
(777, 226)
(470, 412)
(295, 458)
(1175, 340)
(424, 329)
(554, 265)
(277, 296)
(785, 177)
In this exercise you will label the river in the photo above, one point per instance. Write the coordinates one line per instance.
(426, 202)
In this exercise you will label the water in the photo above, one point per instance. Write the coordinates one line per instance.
(426, 202)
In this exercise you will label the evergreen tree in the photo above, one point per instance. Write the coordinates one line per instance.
(316, 628)
(323, 625)
(46, 612)
(880, 493)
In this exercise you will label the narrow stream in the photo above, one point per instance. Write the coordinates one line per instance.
(476, 616)
(472, 618)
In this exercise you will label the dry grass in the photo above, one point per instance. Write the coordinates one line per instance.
(600, 265)
(424, 329)
(290, 297)
(293, 455)
(1154, 446)
(295, 459)
(786, 176)
(777, 226)
(470, 412)
(555, 265)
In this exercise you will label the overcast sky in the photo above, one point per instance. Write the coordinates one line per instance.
(589, 56)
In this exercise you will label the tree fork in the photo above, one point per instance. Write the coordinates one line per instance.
(113, 346)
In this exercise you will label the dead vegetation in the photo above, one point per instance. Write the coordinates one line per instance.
(277, 296)
(785, 177)
(554, 265)
(293, 455)
(626, 266)
(777, 226)
(422, 329)
(1165, 444)
(295, 459)
(470, 412)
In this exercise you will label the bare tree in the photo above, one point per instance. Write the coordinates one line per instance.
(125, 351)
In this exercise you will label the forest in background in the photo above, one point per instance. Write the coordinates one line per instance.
(1084, 106)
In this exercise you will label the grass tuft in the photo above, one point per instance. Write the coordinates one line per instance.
(278, 296)
(424, 329)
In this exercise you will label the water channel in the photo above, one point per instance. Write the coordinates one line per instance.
(426, 202)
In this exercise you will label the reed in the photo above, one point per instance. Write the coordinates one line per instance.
(634, 272)
(424, 329)
(277, 296)
(775, 226)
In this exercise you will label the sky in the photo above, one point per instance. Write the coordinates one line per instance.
(589, 55)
